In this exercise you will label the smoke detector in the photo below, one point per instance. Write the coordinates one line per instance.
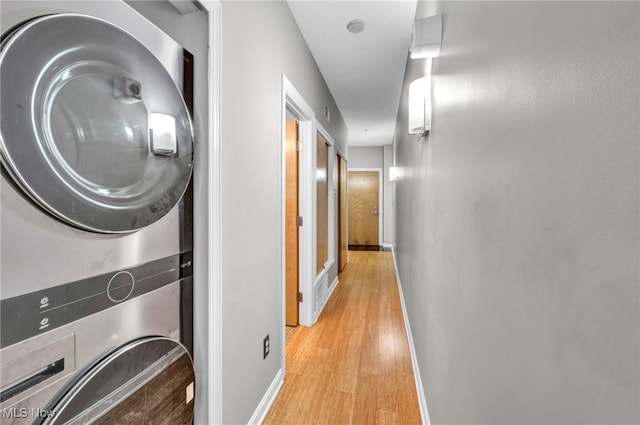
(355, 26)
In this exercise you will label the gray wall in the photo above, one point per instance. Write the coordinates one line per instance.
(518, 218)
(260, 41)
(365, 157)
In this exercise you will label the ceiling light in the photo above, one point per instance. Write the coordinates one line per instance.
(357, 25)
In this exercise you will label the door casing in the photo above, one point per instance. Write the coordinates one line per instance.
(343, 235)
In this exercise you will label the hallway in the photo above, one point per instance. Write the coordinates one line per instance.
(354, 365)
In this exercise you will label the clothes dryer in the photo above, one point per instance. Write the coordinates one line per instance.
(96, 145)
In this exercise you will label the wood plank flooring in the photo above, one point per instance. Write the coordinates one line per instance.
(353, 366)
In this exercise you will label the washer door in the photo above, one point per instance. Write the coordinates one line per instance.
(93, 128)
(149, 381)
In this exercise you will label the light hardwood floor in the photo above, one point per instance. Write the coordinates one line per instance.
(353, 366)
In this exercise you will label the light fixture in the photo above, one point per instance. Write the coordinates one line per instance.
(426, 37)
(420, 105)
(355, 26)
(394, 173)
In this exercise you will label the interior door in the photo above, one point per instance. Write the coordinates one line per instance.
(322, 202)
(342, 208)
(364, 214)
(291, 225)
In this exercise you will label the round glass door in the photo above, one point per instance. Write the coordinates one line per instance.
(148, 381)
(93, 128)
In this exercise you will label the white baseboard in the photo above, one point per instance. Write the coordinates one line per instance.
(268, 399)
(387, 245)
(422, 401)
(332, 287)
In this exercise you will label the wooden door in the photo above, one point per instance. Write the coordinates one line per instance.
(342, 213)
(322, 202)
(363, 199)
(291, 226)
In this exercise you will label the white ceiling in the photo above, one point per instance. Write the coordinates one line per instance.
(364, 71)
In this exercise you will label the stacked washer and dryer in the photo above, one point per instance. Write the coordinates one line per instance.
(96, 145)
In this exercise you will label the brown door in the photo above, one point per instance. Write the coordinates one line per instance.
(342, 213)
(363, 198)
(322, 202)
(291, 226)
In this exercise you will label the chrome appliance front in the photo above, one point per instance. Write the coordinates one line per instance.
(80, 223)
(34, 370)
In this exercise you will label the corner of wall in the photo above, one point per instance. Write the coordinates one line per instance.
(422, 401)
(268, 399)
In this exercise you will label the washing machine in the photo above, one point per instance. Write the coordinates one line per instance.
(96, 145)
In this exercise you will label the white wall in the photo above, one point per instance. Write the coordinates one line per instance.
(518, 218)
(388, 210)
(260, 41)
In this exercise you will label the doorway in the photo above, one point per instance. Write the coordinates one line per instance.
(364, 209)
(297, 136)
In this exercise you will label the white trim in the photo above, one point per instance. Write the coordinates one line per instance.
(387, 245)
(380, 198)
(207, 247)
(307, 235)
(422, 401)
(319, 288)
(268, 399)
(322, 284)
(332, 288)
(292, 100)
(331, 194)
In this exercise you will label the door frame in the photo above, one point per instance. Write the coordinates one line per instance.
(380, 201)
(292, 100)
(340, 206)
(331, 202)
(318, 286)
(207, 303)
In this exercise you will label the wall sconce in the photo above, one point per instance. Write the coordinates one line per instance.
(420, 106)
(393, 174)
(426, 37)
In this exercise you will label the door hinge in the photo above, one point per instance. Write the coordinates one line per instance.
(299, 221)
(300, 297)
(299, 145)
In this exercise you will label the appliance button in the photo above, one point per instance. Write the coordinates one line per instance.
(120, 286)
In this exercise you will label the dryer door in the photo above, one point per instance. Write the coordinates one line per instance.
(149, 381)
(93, 128)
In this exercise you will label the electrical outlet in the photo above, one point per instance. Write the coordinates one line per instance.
(265, 347)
